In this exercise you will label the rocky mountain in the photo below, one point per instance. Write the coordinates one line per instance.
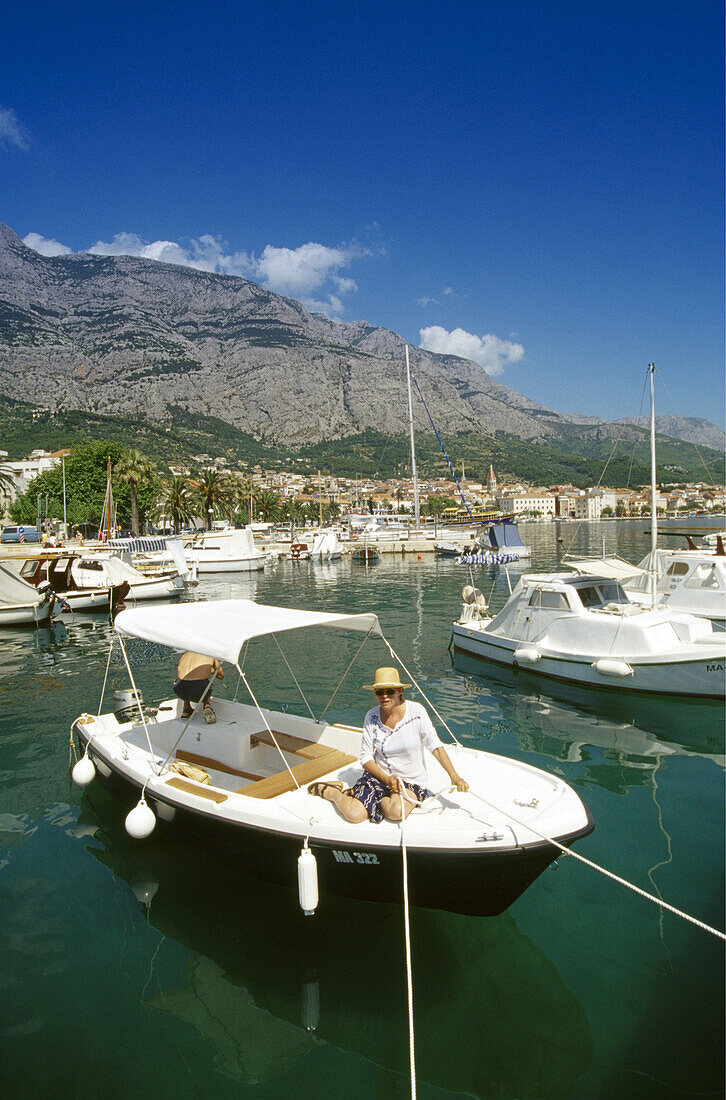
(130, 337)
(691, 429)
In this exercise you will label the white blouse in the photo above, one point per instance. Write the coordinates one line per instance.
(400, 751)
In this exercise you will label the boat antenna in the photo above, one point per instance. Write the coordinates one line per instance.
(413, 451)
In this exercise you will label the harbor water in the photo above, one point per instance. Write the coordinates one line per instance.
(148, 968)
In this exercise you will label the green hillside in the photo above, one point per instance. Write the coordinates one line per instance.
(369, 454)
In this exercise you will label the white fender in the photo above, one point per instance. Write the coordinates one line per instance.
(609, 666)
(307, 881)
(527, 654)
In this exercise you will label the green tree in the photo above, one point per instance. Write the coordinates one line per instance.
(175, 502)
(212, 496)
(267, 505)
(134, 469)
(86, 466)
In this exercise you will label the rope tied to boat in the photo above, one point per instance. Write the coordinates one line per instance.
(603, 870)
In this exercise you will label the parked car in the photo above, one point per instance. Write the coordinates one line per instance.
(20, 534)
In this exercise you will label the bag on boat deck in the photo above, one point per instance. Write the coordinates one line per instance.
(190, 771)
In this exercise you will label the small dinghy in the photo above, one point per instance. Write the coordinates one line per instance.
(240, 784)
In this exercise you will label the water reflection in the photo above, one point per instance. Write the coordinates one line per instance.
(566, 718)
(265, 984)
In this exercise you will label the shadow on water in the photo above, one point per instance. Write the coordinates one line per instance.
(265, 984)
(563, 718)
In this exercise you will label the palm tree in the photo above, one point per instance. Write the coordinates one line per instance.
(7, 484)
(175, 502)
(212, 495)
(268, 505)
(134, 469)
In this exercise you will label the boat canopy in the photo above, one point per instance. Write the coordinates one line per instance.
(615, 568)
(220, 628)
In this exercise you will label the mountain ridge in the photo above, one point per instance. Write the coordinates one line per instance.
(137, 337)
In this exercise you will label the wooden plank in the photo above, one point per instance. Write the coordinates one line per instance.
(198, 789)
(305, 773)
(217, 765)
(311, 750)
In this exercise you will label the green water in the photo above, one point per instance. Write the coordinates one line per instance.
(147, 968)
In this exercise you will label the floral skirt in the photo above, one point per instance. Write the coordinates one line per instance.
(370, 791)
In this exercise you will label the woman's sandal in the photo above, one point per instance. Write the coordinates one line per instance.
(320, 787)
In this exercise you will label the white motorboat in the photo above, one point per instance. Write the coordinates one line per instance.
(691, 581)
(111, 569)
(231, 550)
(326, 546)
(157, 556)
(585, 630)
(94, 590)
(21, 603)
(241, 783)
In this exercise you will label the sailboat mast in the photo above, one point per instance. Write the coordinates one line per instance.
(413, 450)
(653, 488)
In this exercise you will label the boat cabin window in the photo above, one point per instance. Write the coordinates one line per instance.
(703, 576)
(91, 565)
(597, 595)
(677, 569)
(555, 600)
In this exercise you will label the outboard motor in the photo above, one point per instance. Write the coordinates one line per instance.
(125, 707)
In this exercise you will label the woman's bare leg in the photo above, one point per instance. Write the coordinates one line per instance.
(391, 806)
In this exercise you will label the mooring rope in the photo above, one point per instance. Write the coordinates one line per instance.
(407, 931)
(603, 870)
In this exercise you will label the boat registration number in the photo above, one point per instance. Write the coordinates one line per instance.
(355, 857)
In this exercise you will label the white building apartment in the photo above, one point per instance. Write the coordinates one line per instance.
(521, 503)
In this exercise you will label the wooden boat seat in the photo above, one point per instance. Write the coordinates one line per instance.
(198, 789)
(305, 773)
(217, 765)
(310, 750)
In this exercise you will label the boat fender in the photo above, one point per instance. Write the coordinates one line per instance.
(307, 881)
(140, 821)
(84, 771)
(527, 654)
(608, 666)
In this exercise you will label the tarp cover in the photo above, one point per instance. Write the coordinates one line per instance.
(220, 628)
(14, 590)
(616, 568)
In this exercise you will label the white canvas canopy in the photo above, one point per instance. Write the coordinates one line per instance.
(14, 590)
(220, 628)
(616, 568)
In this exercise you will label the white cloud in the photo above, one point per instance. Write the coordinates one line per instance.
(46, 246)
(11, 131)
(490, 352)
(311, 273)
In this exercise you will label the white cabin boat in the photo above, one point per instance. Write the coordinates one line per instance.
(231, 550)
(326, 546)
(585, 630)
(691, 581)
(241, 783)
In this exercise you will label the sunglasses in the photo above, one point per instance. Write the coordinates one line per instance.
(385, 691)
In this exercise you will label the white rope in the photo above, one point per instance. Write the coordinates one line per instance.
(297, 685)
(406, 923)
(609, 874)
(259, 709)
(418, 687)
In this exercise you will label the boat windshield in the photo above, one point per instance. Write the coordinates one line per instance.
(604, 592)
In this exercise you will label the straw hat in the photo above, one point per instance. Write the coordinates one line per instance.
(386, 678)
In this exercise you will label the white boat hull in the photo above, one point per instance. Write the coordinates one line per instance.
(24, 614)
(700, 675)
(230, 565)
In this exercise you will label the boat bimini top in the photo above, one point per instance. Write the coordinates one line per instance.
(219, 628)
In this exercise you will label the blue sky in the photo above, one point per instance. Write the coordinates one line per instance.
(536, 185)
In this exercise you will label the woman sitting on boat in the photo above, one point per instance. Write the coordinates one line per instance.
(395, 734)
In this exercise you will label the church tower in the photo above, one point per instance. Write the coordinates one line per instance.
(491, 482)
